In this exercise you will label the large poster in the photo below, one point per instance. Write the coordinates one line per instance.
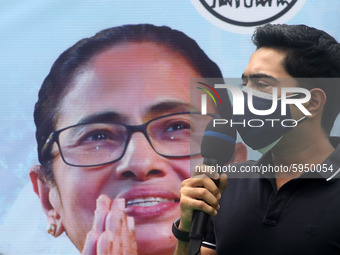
(35, 33)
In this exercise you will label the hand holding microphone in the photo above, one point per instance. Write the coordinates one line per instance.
(218, 146)
(200, 196)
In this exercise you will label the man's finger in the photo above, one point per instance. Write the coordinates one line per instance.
(223, 182)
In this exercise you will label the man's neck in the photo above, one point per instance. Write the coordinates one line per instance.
(300, 153)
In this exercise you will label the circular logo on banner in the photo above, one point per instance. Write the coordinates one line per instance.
(242, 16)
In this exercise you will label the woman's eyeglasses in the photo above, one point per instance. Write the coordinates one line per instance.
(173, 135)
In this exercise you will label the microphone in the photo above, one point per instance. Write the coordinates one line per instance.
(217, 148)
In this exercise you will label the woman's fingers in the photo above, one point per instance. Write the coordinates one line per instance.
(105, 245)
(129, 236)
(122, 229)
(131, 224)
(90, 243)
(110, 244)
(113, 232)
(119, 223)
(115, 216)
(102, 208)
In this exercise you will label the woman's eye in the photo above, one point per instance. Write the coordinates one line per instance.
(178, 126)
(97, 137)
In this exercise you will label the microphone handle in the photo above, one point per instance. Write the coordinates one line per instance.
(199, 221)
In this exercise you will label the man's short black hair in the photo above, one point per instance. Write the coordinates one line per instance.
(310, 53)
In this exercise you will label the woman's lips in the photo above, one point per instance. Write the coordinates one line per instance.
(146, 203)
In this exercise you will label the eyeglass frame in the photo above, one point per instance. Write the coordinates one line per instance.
(54, 137)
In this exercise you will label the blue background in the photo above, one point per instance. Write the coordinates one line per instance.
(33, 34)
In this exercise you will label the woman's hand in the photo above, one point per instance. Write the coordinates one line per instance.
(200, 193)
(113, 232)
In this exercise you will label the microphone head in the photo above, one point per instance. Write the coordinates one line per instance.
(218, 143)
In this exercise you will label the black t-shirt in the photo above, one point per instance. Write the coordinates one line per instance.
(302, 217)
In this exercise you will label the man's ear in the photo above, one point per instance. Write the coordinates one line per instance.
(316, 103)
(43, 190)
(240, 154)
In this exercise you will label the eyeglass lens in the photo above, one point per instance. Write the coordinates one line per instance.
(99, 143)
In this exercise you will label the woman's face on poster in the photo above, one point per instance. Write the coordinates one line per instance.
(130, 83)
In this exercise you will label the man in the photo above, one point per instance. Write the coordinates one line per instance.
(285, 212)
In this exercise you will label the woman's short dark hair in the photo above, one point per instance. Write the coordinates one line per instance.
(57, 83)
(310, 53)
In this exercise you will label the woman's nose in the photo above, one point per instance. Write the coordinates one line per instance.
(140, 160)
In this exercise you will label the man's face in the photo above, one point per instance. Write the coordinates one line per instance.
(265, 70)
(134, 82)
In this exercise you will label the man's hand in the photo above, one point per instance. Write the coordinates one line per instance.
(200, 193)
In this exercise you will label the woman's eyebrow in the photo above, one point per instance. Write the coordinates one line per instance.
(150, 112)
(169, 107)
(102, 117)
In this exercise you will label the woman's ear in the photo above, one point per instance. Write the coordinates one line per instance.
(316, 103)
(43, 190)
